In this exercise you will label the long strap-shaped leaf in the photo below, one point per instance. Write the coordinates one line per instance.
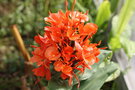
(104, 13)
(98, 78)
(125, 15)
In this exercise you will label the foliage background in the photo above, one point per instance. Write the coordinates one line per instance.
(29, 15)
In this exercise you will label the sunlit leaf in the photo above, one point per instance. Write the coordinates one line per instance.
(125, 15)
(121, 30)
(104, 13)
(114, 43)
(128, 46)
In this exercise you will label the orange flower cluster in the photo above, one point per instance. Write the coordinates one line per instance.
(65, 45)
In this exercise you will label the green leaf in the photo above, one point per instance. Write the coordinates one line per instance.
(114, 25)
(123, 40)
(125, 15)
(114, 43)
(58, 84)
(114, 5)
(127, 32)
(128, 46)
(98, 78)
(113, 75)
(104, 57)
(104, 13)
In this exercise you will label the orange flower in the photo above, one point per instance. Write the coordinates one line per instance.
(73, 34)
(43, 72)
(58, 66)
(37, 55)
(67, 70)
(55, 33)
(67, 52)
(89, 29)
(52, 53)
(66, 45)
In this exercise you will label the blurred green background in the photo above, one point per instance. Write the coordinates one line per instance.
(29, 15)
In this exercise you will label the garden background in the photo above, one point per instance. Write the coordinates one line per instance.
(28, 16)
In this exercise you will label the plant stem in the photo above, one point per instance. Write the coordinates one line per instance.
(20, 42)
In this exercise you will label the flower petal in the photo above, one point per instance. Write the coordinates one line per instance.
(58, 66)
(40, 71)
(52, 53)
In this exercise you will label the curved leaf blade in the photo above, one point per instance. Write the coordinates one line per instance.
(104, 13)
(98, 78)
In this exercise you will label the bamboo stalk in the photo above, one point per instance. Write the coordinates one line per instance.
(20, 42)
